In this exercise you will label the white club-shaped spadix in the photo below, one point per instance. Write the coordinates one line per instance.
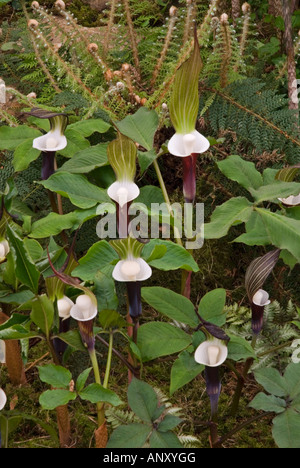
(184, 145)
(4, 249)
(3, 399)
(261, 298)
(211, 353)
(123, 192)
(132, 269)
(84, 309)
(291, 201)
(64, 306)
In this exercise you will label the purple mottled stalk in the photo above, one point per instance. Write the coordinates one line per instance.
(257, 318)
(48, 160)
(134, 298)
(87, 334)
(189, 178)
(213, 388)
(59, 345)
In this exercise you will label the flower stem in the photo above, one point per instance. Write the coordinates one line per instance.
(108, 362)
(100, 406)
(167, 200)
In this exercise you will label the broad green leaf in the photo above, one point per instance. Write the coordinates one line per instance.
(140, 127)
(24, 154)
(25, 269)
(76, 142)
(150, 194)
(82, 378)
(73, 339)
(11, 137)
(142, 400)
(17, 332)
(42, 313)
(14, 319)
(77, 188)
(86, 160)
(184, 102)
(241, 171)
(51, 399)
(172, 305)
(90, 126)
(111, 318)
(146, 159)
(52, 224)
(157, 339)
(183, 371)
(18, 298)
(292, 379)
(264, 402)
(286, 429)
(283, 232)
(8, 424)
(232, 212)
(272, 381)
(274, 191)
(168, 423)
(34, 249)
(105, 292)
(98, 257)
(95, 393)
(56, 376)
(256, 233)
(130, 436)
(239, 349)
(211, 307)
(175, 257)
(162, 440)
(121, 154)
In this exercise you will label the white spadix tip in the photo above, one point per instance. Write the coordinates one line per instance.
(213, 354)
(51, 143)
(189, 143)
(122, 195)
(84, 309)
(131, 269)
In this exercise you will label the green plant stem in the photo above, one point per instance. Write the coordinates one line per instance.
(167, 200)
(241, 382)
(119, 355)
(108, 362)
(100, 406)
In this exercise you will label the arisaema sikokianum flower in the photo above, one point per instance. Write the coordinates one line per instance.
(212, 353)
(132, 270)
(187, 142)
(122, 154)
(54, 140)
(256, 275)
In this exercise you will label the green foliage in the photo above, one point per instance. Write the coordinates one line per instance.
(155, 423)
(283, 400)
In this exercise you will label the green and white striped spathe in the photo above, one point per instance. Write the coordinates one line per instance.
(122, 153)
(184, 102)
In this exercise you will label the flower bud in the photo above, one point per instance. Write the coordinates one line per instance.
(172, 11)
(32, 24)
(60, 4)
(224, 18)
(35, 5)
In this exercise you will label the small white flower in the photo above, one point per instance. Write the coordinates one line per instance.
(4, 250)
(184, 145)
(132, 269)
(211, 353)
(64, 306)
(3, 399)
(84, 309)
(123, 192)
(261, 298)
(291, 201)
